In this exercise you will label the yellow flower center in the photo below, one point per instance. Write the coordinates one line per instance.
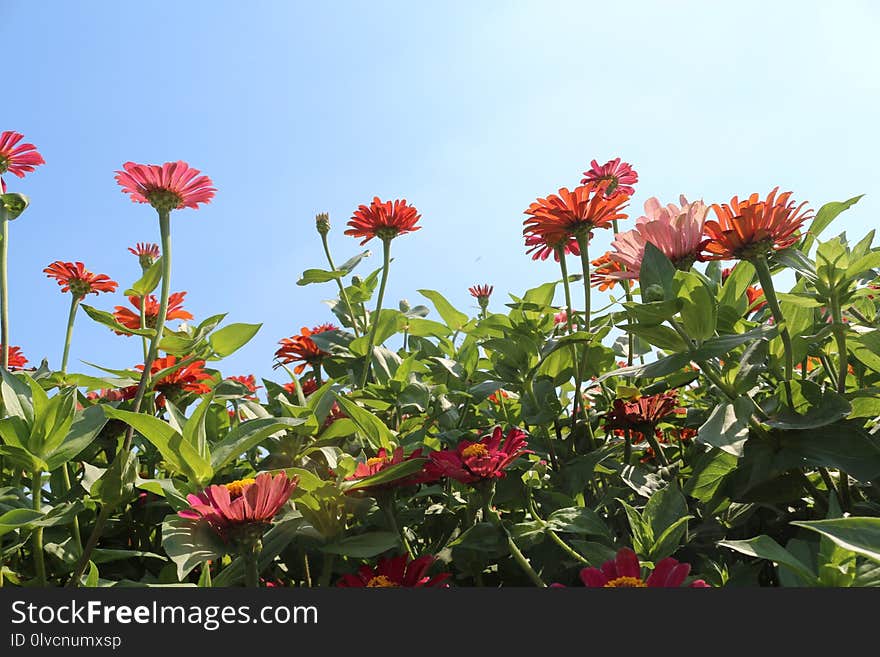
(376, 460)
(626, 583)
(477, 449)
(380, 581)
(237, 487)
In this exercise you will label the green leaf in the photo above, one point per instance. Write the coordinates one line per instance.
(86, 426)
(148, 282)
(230, 339)
(857, 534)
(765, 547)
(108, 320)
(656, 274)
(116, 485)
(709, 473)
(389, 322)
(190, 543)
(92, 578)
(12, 205)
(347, 266)
(843, 446)
(386, 475)
(814, 407)
(643, 537)
(12, 520)
(371, 427)
(310, 276)
(248, 435)
(669, 540)
(727, 427)
(664, 508)
(17, 397)
(826, 214)
(698, 313)
(363, 546)
(577, 520)
(454, 319)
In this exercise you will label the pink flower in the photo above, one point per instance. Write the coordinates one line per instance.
(17, 159)
(620, 176)
(483, 460)
(624, 571)
(170, 186)
(676, 231)
(540, 250)
(398, 572)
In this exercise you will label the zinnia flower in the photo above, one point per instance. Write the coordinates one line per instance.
(75, 278)
(385, 220)
(619, 177)
(308, 385)
(186, 379)
(558, 218)
(249, 382)
(170, 186)
(396, 572)
(624, 571)
(17, 361)
(302, 349)
(481, 291)
(237, 509)
(113, 394)
(17, 159)
(756, 298)
(147, 253)
(483, 460)
(749, 228)
(540, 250)
(132, 320)
(676, 231)
(637, 414)
(384, 460)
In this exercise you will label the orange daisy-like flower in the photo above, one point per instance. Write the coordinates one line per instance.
(170, 186)
(249, 382)
(73, 277)
(383, 219)
(17, 360)
(302, 349)
(132, 320)
(558, 218)
(606, 272)
(751, 227)
(189, 378)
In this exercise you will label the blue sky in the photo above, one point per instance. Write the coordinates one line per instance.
(469, 110)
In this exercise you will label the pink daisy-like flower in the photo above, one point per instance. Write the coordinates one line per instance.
(170, 186)
(539, 249)
(17, 159)
(624, 571)
(394, 573)
(620, 177)
(483, 460)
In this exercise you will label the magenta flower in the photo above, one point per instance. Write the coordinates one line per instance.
(17, 159)
(484, 460)
(170, 186)
(620, 177)
(539, 249)
(624, 571)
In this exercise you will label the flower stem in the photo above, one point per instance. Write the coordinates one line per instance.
(4, 291)
(486, 495)
(74, 525)
(342, 293)
(839, 330)
(37, 536)
(565, 547)
(627, 291)
(388, 508)
(766, 280)
(326, 570)
(252, 564)
(374, 319)
(583, 240)
(566, 286)
(143, 325)
(74, 305)
(100, 521)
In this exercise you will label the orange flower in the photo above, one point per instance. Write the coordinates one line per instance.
(302, 349)
(385, 220)
(189, 378)
(249, 382)
(749, 228)
(132, 320)
(17, 360)
(603, 276)
(556, 219)
(75, 278)
(756, 299)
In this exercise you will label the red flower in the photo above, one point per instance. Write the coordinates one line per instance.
(396, 572)
(750, 227)
(618, 176)
(384, 460)
(241, 504)
(171, 186)
(147, 253)
(483, 460)
(302, 349)
(76, 279)
(309, 386)
(249, 382)
(17, 360)
(481, 291)
(132, 320)
(636, 415)
(556, 219)
(17, 159)
(498, 396)
(624, 571)
(756, 298)
(385, 220)
(186, 379)
(541, 250)
(113, 395)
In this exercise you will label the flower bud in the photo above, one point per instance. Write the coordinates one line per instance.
(322, 223)
(404, 306)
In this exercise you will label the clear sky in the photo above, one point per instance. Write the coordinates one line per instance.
(469, 110)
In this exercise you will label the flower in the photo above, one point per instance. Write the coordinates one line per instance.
(541, 250)
(147, 253)
(642, 412)
(114, 394)
(76, 279)
(249, 382)
(302, 349)
(481, 291)
(749, 228)
(756, 298)
(624, 571)
(498, 396)
(676, 231)
(132, 320)
(17, 159)
(185, 379)
(618, 176)
(556, 219)
(396, 572)
(170, 186)
(308, 385)
(17, 361)
(382, 461)
(385, 220)
(483, 460)
(241, 505)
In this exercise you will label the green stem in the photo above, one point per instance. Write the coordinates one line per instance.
(766, 280)
(74, 305)
(563, 266)
(252, 565)
(655, 445)
(342, 293)
(4, 291)
(565, 547)
(326, 570)
(388, 508)
(839, 330)
(627, 291)
(486, 494)
(65, 487)
(100, 521)
(583, 240)
(37, 536)
(374, 319)
(143, 325)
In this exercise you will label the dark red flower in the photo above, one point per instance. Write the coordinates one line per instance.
(17, 360)
(483, 460)
(396, 572)
(170, 186)
(641, 413)
(75, 278)
(17, 159)
(132, 320)
(624, 571)
(384, 460)
(383, 219)
(302, 349)
(618, 177)
(751, 227)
